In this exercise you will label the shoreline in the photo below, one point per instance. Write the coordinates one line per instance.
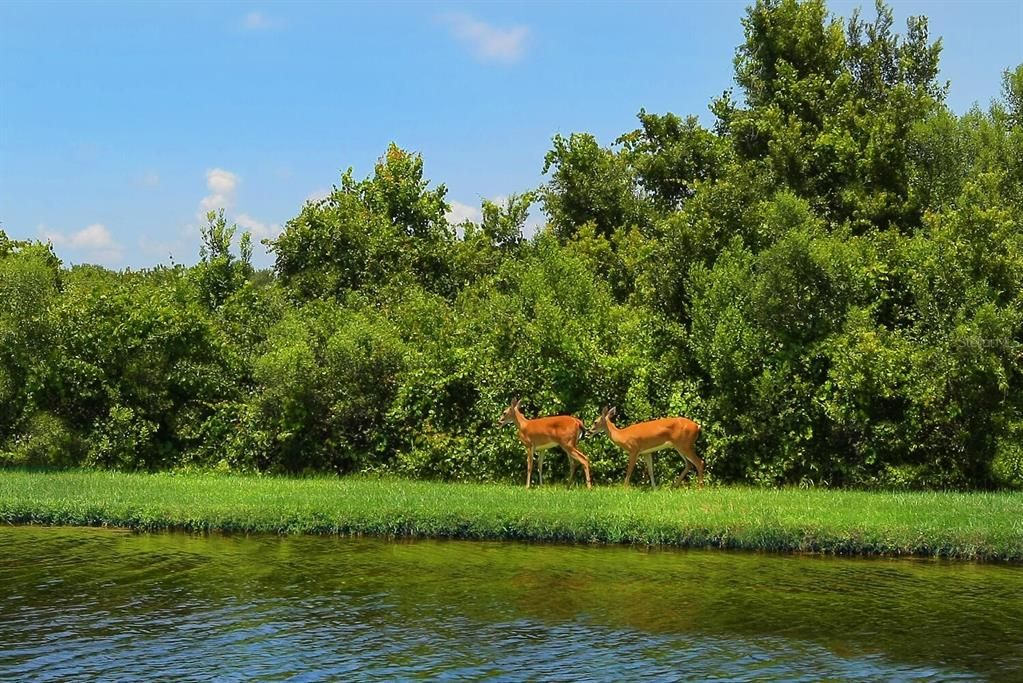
(962, 526)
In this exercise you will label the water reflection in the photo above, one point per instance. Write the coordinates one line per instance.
(89, 603)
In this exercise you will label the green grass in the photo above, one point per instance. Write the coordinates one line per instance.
(987, 526)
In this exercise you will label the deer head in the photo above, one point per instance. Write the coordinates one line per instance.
(508, 416)
(600, 424)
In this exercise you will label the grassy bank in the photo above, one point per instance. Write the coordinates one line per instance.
(963, 525)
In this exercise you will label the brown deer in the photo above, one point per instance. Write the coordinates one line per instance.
(548, 432)
(643, 438)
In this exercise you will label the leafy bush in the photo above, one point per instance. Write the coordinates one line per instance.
(829, 280)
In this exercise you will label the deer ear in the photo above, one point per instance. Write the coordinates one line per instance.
(611, 412)
(516, 401)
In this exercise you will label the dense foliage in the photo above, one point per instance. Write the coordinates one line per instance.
(828, 280)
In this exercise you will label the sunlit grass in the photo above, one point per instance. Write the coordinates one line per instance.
(963, 525)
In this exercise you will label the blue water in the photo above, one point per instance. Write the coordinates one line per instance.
(91, 604)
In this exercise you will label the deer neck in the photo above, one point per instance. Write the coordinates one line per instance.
(520, 419)
(612, 431)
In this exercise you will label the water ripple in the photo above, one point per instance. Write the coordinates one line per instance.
(94, 604)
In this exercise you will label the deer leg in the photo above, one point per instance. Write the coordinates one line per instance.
(529, 466)
(632, 466)
(650, 469)
(575, 455)
(689, 453)
(539, 457)
(572, 464)
(581, 457)
(679, 478)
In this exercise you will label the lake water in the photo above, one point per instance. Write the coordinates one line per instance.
(96, 604)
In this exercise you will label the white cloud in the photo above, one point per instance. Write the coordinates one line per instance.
(460, 213)
(94, 236)
(317, 195)
(149, 179)
(488, 42)
(93, 241)
(259, 230)
(221, 185)
(256, 21)
(220, 181)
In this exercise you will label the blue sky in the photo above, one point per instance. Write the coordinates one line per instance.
(121, 122)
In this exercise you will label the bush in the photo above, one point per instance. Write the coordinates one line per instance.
(830, 282)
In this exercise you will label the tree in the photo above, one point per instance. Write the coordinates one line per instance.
(219, 273)
(1012, 92)
(30, 281)
(503, 225)
(367, 233)
(589, 183)
(670, 155)
(830, 112)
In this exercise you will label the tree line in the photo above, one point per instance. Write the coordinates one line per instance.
(828, 279)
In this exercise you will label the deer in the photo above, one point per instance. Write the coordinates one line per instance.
(543, 433)
(644, 438)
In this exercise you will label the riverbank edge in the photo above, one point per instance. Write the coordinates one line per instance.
(963, 526)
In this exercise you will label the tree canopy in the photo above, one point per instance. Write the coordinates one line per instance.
(828, 278)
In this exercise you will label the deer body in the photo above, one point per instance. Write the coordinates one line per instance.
(544, 433)
(646, 438)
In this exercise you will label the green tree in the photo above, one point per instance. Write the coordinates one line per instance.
(220, 273)
(484, 246)
(828, 111)
(389, 227)
(30, 282)
(670, 155)
(589, 184)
